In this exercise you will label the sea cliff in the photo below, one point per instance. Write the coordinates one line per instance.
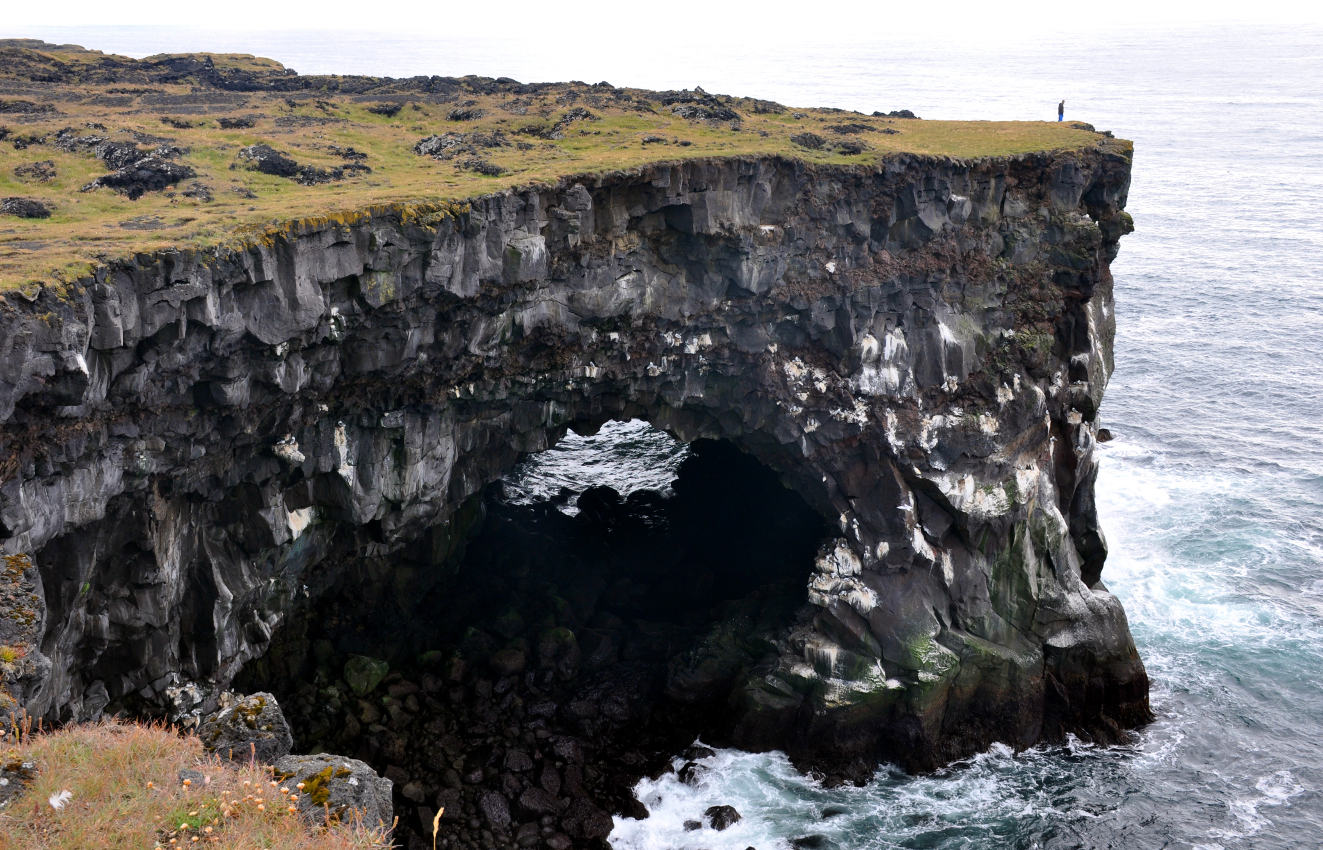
(919, 349)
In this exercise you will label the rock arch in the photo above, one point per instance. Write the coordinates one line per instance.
(918, 348)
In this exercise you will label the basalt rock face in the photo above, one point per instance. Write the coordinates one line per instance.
(194, 441)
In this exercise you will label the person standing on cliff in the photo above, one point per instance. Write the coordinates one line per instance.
(1061, 110)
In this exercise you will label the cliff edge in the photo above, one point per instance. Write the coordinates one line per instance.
(195, 442)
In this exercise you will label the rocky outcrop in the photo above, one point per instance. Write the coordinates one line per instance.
(337, 789)
(194, 440)
(24, 208)
(249, 727)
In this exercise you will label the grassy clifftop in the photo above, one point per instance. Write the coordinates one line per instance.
(132, 155)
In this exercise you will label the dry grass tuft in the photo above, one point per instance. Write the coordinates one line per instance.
(145, 786)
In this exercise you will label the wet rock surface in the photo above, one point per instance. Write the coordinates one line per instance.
(721, 817)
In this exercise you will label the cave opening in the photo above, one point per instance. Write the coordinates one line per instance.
(571, 629)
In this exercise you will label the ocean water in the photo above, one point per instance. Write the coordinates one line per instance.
(1211, 495)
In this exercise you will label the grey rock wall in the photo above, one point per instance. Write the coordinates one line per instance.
(193, 440)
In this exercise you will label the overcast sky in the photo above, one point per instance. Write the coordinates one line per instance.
(656, 23)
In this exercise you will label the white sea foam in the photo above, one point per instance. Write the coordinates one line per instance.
(626, 456)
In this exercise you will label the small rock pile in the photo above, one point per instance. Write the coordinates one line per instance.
(24, 208)
(267, 160)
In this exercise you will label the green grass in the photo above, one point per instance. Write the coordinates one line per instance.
(88, 227)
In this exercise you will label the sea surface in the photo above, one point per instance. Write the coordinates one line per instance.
(1211, 495)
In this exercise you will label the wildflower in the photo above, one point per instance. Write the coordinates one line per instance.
(59, 800)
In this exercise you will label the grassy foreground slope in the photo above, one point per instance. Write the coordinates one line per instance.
(67, 115)
(125, 785)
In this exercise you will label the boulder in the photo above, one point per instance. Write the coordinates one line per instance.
(337, 788)
(149, 174)
(721, 817)
(697, 112)
(24, 208)
(364, 674)
(812, 141)
(251, 727)
(268, 160)
(117, 154)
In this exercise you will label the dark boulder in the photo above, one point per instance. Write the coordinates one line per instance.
(495, 810)
(24, 208)
(117, 154)
(812, 141)
(849, 128)
(690, 772)
(149, 174)
(598, 504)
(698, 112)
(721, 817)
(697, 751)
(25, 107)
(268, 160)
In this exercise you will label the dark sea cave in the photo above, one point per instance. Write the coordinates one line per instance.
(523, 669)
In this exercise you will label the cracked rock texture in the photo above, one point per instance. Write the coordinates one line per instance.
(193, 441)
